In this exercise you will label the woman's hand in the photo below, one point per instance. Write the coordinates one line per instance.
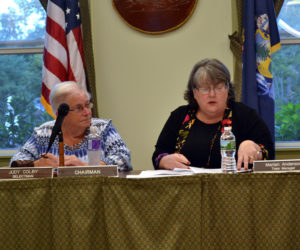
(48, 160)
(72, 160)
(248, 152)
(174, 161)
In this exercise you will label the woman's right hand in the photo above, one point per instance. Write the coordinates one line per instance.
(49, 160)
(172, 161)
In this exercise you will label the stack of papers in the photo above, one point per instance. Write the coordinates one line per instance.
(175, 172)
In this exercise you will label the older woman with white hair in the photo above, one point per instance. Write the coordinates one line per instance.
(75, 129)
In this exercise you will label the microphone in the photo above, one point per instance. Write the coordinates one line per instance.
(62, 111)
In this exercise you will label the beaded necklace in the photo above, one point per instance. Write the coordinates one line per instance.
(189, 121)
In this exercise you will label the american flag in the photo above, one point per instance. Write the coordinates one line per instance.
(63, 58)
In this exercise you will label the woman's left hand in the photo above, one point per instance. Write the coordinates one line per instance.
(248, 152)
(72, 160)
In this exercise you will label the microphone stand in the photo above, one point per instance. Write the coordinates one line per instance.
(61, 149)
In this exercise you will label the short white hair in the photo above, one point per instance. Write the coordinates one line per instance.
(61, 90)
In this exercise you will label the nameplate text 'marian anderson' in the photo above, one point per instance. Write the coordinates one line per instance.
(276, 165)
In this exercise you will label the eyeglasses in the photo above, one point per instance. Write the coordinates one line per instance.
(80, 108)
(216, 89)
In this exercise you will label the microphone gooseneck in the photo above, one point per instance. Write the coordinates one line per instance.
(62, 111)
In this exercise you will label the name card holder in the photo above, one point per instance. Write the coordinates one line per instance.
(101, 170)
(277, 166)
(26, 173)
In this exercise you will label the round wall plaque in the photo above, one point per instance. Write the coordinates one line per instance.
(155, 16)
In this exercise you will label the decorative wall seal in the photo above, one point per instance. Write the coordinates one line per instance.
(154, 16)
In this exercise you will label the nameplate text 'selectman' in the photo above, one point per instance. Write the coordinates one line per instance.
(154, 16)
(108, 170)
(276, 166)
(26, 173)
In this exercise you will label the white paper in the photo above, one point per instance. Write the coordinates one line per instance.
(206, 170)
(180, 172)
(162, 173)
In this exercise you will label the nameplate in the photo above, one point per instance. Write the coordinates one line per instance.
(103, 170)
(26, 173)
(276, 166)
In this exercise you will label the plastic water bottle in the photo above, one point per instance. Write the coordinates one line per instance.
(94, 147)
(228, 148)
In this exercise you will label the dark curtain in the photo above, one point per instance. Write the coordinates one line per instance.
(236, 45)
(88, 50)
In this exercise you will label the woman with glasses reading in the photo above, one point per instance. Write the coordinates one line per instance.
(191, 135)
(75, 129)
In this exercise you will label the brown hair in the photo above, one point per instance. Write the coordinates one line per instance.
(208, 71)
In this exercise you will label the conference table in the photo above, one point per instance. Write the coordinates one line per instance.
(204, 211)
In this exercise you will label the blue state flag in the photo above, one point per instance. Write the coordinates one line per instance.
(260, 40)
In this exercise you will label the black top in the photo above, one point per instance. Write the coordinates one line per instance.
(246, 125)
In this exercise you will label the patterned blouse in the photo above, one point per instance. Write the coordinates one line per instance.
(114, 149)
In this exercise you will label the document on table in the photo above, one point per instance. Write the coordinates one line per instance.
(175, 172)
(215, 170)
(206, 170)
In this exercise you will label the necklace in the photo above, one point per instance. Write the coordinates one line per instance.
(188, 122)
(213, 143)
